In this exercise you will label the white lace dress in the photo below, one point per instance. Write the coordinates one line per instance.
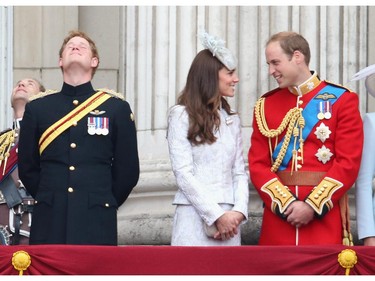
(210, 179)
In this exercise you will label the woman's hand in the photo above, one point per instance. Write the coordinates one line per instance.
(228, 224)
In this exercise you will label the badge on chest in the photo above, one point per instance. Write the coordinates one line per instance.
(98, 125)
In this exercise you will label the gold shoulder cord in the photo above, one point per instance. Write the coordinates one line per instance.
(295, 123)
(6, 142)
(42, 94)
(112, 93)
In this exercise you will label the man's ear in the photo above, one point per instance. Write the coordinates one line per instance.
(298, 56)
(94, 62)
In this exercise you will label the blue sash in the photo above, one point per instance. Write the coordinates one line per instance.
(332, 93)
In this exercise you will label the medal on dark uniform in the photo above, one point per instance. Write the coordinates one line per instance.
(327, 110)
(98, 125)
(91, 126)
(320, 114)
(105, 129)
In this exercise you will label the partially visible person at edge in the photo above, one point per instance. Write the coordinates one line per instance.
(365, 184)
(305, 150)
(78, 153)
(14, 225)
(206, 153)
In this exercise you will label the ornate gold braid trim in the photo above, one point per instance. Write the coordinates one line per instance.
(293, 116)
(6, 142)
(42, 94)
(321, 195)
(279, 193)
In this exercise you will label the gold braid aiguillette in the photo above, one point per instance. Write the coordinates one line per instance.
(6, 142)
(293, 121)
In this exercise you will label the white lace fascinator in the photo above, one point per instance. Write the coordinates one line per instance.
(368, 73)
(216, 46)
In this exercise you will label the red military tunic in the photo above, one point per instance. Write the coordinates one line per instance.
(329, 159)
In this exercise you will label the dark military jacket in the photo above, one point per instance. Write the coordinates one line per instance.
(80, 179)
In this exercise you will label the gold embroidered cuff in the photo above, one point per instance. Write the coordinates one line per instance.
(279, 193)
(321, 195)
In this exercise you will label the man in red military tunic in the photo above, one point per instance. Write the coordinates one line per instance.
(305, 150)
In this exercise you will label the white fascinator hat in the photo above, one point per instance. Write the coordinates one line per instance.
(216, 46)
(369, 74)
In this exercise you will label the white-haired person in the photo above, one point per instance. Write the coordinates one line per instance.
(365, 184)
(206, 153)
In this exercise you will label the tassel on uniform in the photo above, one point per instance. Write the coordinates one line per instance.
(347, 239)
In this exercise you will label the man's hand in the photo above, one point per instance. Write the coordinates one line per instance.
(299, 213)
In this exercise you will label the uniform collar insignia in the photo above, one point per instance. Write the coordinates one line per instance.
(306, 86)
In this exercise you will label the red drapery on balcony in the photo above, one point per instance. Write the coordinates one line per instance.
(168, 260)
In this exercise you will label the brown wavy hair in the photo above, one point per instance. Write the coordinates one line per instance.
(202, 99)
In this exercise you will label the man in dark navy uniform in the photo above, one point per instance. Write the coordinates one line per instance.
(78, 154)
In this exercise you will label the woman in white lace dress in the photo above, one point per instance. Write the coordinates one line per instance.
(206, 153)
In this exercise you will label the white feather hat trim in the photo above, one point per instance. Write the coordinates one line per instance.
(368, 73)
(216, 46)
